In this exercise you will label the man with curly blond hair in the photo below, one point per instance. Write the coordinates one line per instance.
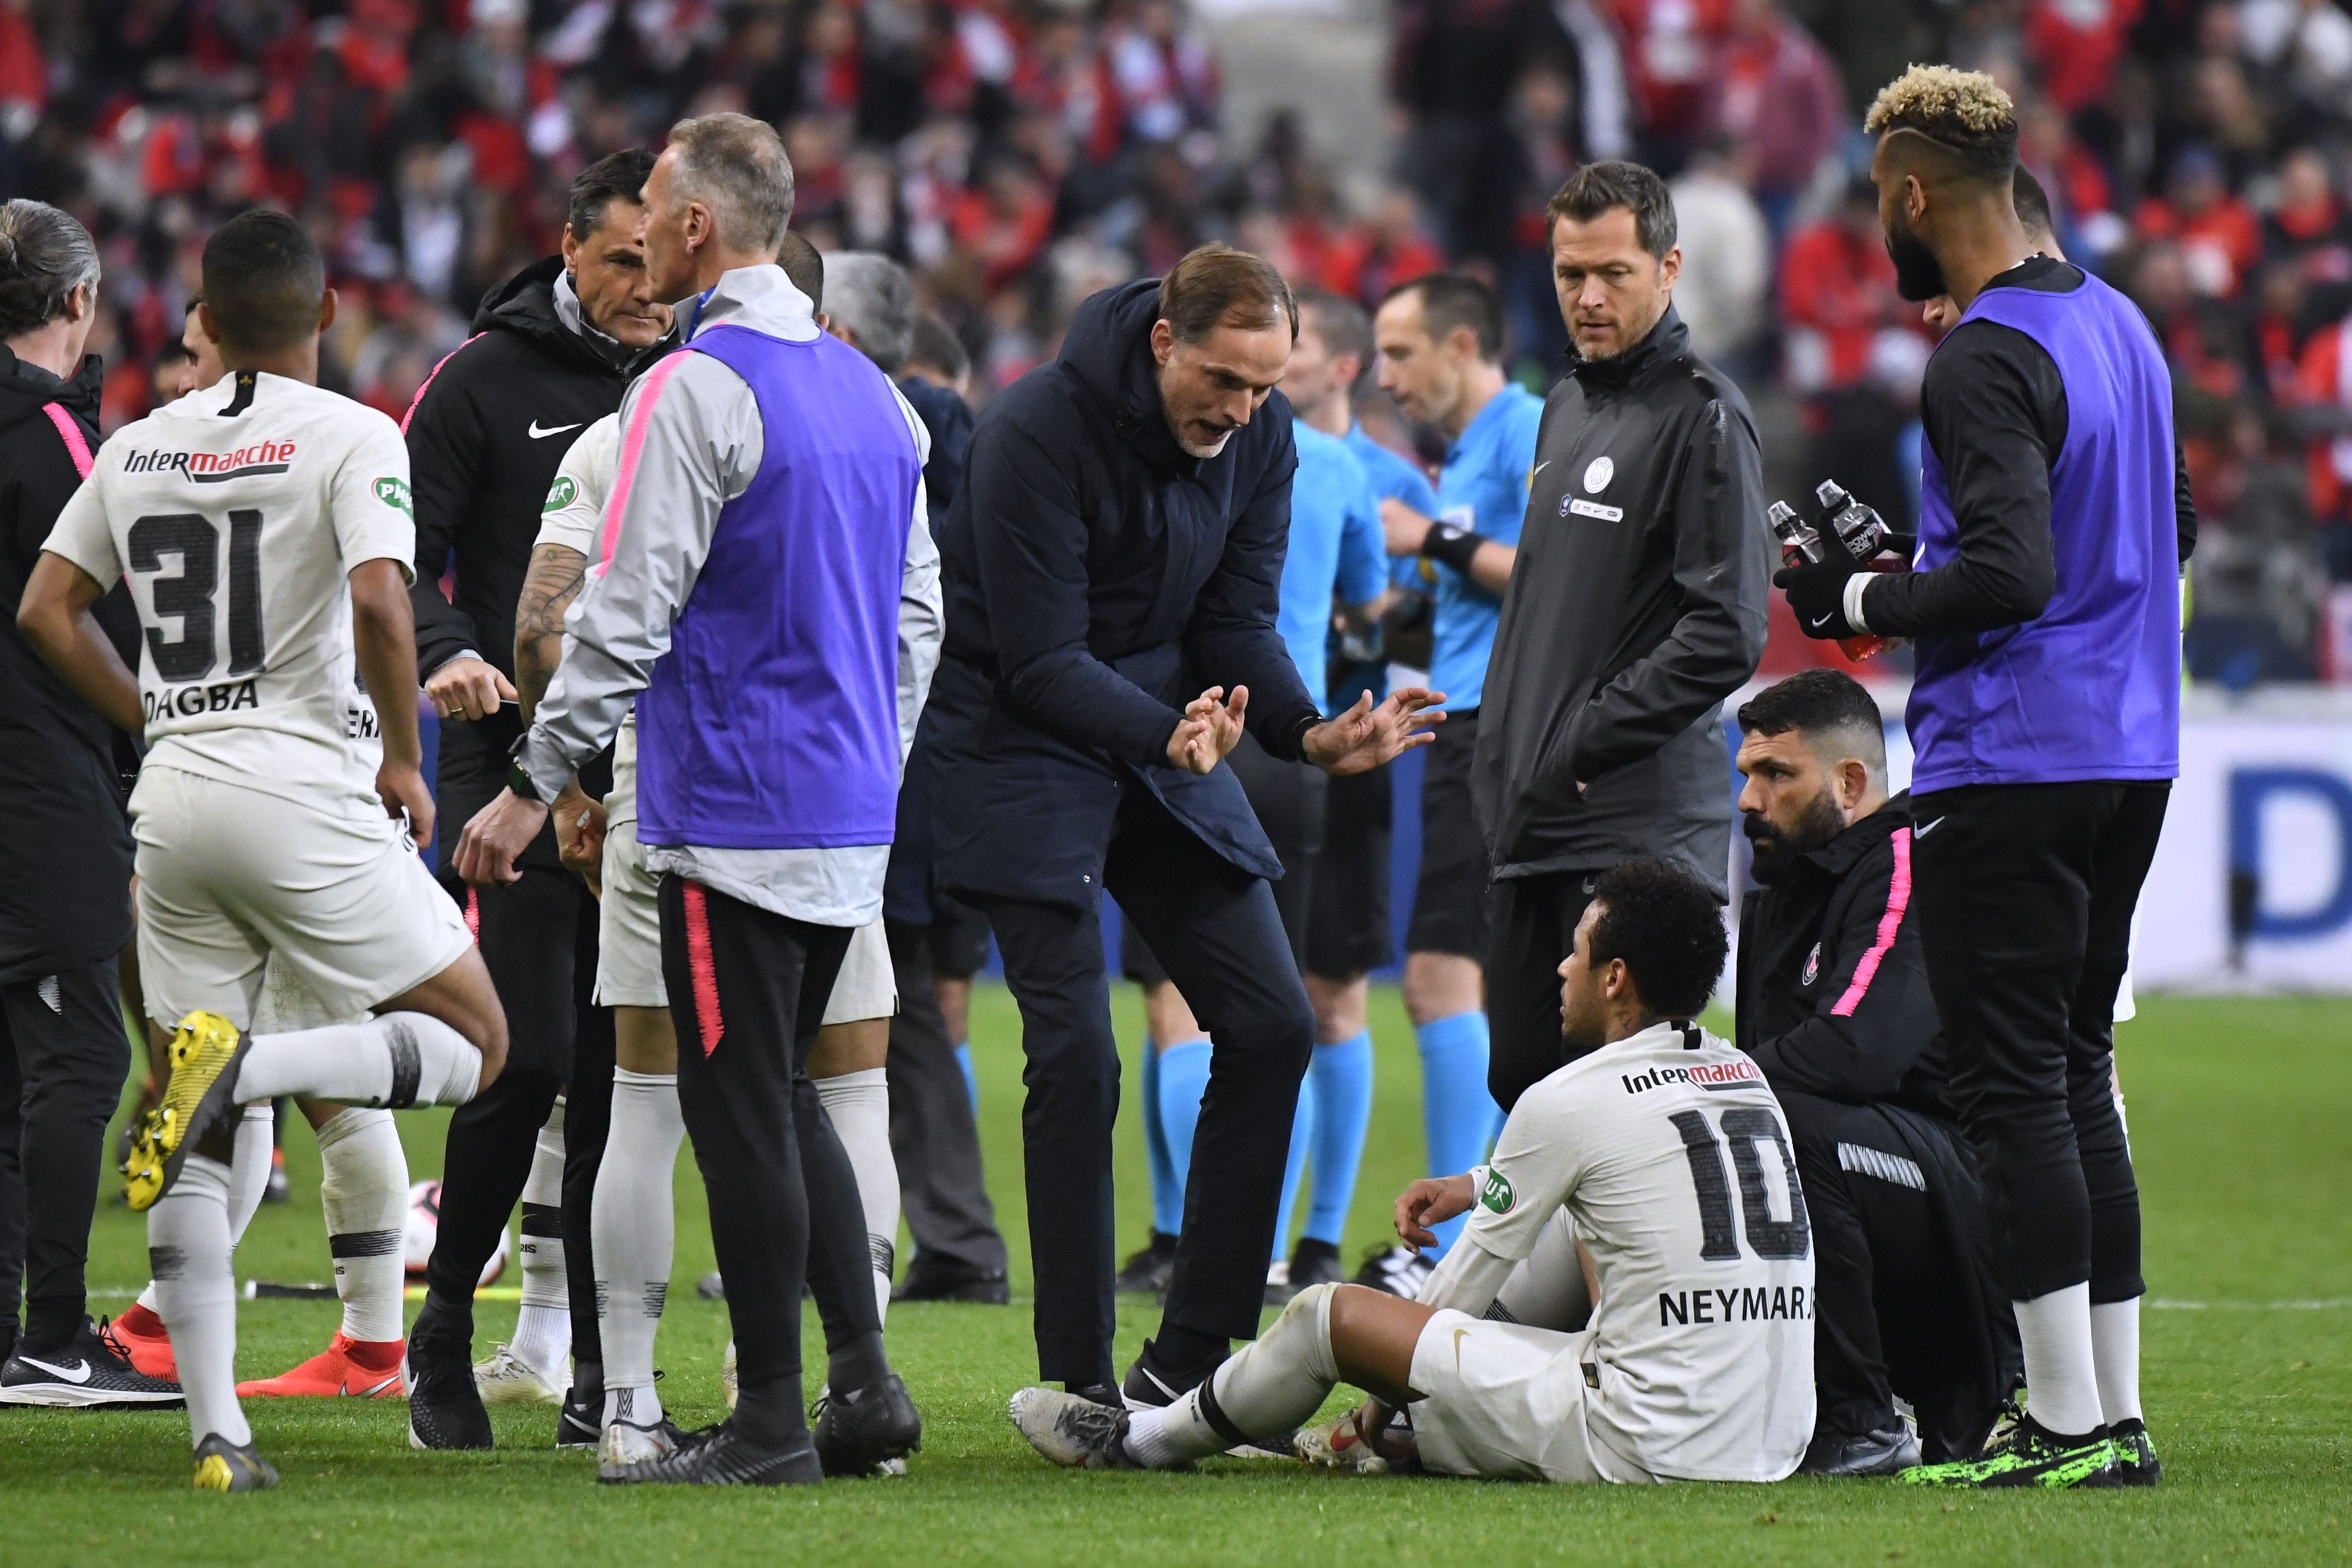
(2045, 719)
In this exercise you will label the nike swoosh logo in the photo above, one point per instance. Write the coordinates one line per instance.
(78, 1373)
(1826, 619)
(370, 1391)
(539, 434)
(1924, 828)
(1540, 468)
(1458, 1335)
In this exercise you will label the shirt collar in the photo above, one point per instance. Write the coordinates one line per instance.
(760, 297)
(1493, 414)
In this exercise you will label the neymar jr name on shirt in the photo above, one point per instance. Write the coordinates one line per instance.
(212, 467)
(1758, 1305)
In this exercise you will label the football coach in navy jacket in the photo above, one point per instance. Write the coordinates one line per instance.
(1112, 566)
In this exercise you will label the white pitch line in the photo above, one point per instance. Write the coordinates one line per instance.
(2332, 1304)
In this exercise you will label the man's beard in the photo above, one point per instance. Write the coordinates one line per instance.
(1918, 276)
(1775, 852)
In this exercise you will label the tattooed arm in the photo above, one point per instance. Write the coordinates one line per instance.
(556, 573)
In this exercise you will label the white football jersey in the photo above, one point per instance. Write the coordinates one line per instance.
(238, 514)
(573, 515)
(1676, 1167)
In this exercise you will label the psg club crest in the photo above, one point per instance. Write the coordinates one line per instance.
(1813, 966)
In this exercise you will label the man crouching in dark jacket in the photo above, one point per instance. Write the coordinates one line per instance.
(1833, 1004)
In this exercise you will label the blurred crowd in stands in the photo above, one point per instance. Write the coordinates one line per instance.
(1019, 154)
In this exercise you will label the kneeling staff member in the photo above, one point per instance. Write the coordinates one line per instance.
(1672, 1161)
(1833, 1005)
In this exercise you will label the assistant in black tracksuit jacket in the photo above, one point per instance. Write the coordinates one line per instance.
(1833, 1004)
(485, 436)
(65, 883)
(1635, 607)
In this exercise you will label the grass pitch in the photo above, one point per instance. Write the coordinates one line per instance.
(2239, 1111)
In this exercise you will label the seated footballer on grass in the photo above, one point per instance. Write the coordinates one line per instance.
(1660, 1153)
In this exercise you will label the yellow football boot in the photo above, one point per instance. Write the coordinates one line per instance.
(206, 1054)
(223, 1467)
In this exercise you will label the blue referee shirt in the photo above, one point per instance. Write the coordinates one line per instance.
(1335, 548)
(1483, 488)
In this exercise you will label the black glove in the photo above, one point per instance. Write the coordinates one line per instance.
(1817, 594)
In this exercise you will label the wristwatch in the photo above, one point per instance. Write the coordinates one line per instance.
(519, 782)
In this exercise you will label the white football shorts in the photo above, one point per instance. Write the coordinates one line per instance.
(1505, 1402)
(230, 878)
(628, 956)
(628, 922)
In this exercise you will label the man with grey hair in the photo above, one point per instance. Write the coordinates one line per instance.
(768, 600)
(870, 306)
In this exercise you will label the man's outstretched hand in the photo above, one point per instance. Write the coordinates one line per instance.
(1364, 737)
(1211, 727)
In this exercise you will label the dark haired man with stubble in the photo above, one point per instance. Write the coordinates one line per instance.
(1112, 567)
(552, 349)
(1833, 1004)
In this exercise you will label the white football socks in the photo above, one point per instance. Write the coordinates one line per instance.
(635, 1233)
(397, 1060)
(255, 1139)
(1268, 1386)
(2062, 1383)
(188, 1248)
(859, 1106)
(364, 1191)
(2115, 1347)
(248, 1179)
(542, 1333)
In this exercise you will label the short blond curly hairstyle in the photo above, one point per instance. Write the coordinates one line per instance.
(1965, 112)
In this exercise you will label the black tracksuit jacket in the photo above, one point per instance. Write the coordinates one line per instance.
(485, 437)
(64, 885)
(1808, 1014)
(1637, 606)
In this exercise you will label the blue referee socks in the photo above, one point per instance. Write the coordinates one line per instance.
(1457, 1114)
(1184, 1077)
(1302, 1130)
(1341, 1078)
(1167, 1192)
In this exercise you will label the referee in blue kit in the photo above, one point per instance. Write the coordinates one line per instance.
(2045, 719)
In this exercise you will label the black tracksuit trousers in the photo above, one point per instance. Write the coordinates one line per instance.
(1895, 1297)
(1533, 927)
(1217, 932)
(2025, 895)
(933, 1139)
(538, 939)
(63, 1059)
(748, 989)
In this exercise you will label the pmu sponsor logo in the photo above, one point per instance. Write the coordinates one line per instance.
(188, 701)
(212, 467)
(1756, 1305)
(1713, 1077)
